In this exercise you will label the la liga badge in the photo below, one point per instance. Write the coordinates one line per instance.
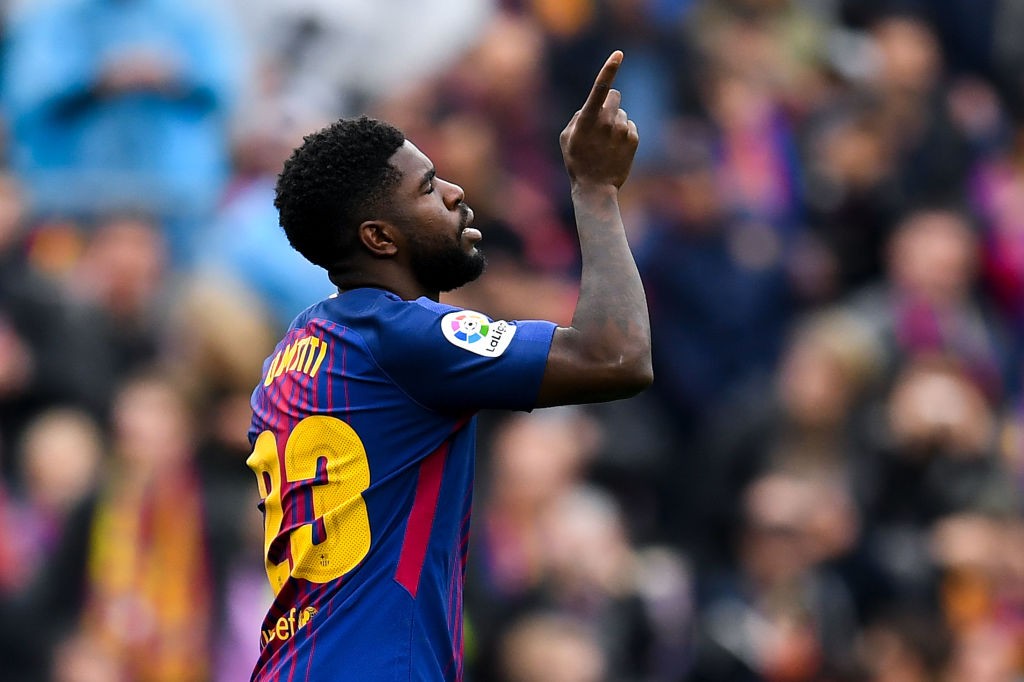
(472, 331)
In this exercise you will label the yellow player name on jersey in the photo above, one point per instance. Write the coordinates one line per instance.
(302, 355)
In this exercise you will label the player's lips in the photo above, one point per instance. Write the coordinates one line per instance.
(470, 234)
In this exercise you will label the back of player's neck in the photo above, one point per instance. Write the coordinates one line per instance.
(404, 287)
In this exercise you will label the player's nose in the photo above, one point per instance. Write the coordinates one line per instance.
(453, 195)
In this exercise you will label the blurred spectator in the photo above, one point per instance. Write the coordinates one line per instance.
(930, 152)
(716, 285)
(501, 78)
(587, 571)
(534, 459)
(937, 459)
(208, 318)
(1006, 51)
(132, 575)
(781, 616)
(51, 353)
(116, 105)
(61, 455)
(551, 648)
(998, 195)
(987, 654)
(982, 563)
(246, 242)
(979, 113)
(781, 45)
(853, 199)
(810, 419)
(905, 646)
(122, 275)
(217, 371)
(592, 574)
(929, 303)
(315, 51)
(755, 153)
(719, 300)
(82, 659)
(660, 73)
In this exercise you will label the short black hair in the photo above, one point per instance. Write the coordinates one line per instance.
(332, 182)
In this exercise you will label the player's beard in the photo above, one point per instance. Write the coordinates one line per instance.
(444, 264)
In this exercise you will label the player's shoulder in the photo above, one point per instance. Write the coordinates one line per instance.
(373, 314)
(392, 326)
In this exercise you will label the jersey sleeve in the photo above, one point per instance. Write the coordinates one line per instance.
(448, 359)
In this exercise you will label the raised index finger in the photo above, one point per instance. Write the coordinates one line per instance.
(603, 83)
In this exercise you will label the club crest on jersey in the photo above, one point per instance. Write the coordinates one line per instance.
(474, 332)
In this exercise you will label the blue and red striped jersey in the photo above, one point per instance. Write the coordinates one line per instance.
(363, 438)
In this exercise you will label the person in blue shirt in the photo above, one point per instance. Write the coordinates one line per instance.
(119, 105)
(245, 244)
(363, 422)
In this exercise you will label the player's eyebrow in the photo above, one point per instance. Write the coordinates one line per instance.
(427, 177)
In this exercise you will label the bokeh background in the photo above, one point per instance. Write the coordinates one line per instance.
(827, 208)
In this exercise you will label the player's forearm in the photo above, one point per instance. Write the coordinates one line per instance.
(611, 321)
(606, 353)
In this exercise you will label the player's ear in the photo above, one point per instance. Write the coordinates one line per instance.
(379, 237)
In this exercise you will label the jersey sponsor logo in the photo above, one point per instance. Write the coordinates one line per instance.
(288, 625)
(475, 333)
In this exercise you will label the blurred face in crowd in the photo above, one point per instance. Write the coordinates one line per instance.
(535, 459)
(82, 658)
(551, 649)
(61, 454)
(855, 154)
(123, 266)
(739, 104)
(504, 69)
(935, 408)
(692, 201)
(933, 256)
(826, 365)
(586, 543)
(775, 545)
(467, 147)
(813, 387)
(904, 648)
(909, 57)
(986, 653)
(152, 427)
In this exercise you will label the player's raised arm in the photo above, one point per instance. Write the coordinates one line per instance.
(606, 353)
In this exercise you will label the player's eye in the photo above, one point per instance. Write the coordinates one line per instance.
(430, 187)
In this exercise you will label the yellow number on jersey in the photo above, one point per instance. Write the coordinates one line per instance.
(337, 499)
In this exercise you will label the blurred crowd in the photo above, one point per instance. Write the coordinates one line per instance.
(827, 208)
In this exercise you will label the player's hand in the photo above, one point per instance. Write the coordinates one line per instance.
(600, 141)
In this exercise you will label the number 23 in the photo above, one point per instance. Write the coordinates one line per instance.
(328, 461)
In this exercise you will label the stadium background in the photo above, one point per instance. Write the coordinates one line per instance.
(828, 211)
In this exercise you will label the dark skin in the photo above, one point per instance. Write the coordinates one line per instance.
(606, 352)
(422, 202)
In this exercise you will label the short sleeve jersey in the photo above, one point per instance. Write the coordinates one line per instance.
(363, 438)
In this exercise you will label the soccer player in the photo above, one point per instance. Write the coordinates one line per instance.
(363, 427)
